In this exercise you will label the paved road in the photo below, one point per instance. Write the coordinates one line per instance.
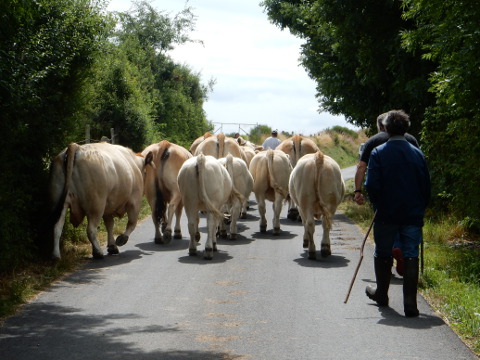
(259, 298)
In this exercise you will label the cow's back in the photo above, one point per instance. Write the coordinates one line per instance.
(296, 147)
(105, 178)
(208, 193)
(168, 158)
(270, 175)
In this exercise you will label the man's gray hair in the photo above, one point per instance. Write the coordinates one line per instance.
(396, 122)
(380, 119)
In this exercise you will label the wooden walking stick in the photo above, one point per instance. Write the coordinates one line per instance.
(361, 258)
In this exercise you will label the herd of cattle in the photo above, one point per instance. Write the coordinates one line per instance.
(215, 176)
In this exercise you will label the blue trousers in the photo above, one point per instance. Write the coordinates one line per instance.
(406, 237)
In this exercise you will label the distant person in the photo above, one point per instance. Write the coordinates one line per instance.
(236, 136)
(271, 142)
(398, 185)
(380, 138)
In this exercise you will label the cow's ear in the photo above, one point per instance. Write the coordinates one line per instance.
(149, 160)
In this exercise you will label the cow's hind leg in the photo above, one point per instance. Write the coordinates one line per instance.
(177, 232)
(93, 222)
(193, 219)
(327, 225)
(262, 210)
(236, 210)
(167, 232)
(212, 224)
(277, 209)
(308, 236)
(112, 248)
(132, 213)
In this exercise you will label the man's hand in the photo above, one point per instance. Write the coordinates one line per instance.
(359, 198)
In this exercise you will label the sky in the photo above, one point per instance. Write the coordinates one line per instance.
(255, 65)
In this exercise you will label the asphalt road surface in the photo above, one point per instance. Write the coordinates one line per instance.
(259, 298)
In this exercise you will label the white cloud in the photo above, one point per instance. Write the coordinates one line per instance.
(255, 65)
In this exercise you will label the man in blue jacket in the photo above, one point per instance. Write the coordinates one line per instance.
(398, 184)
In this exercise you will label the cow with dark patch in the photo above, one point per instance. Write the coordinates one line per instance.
(161, 188)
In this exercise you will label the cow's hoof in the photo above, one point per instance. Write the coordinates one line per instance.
(97, 254)
(121, 240)
(208, 255)
(177, 234)
(233, 236)
(325, 252)
(223, 234)
(312, 255)
(112, 249)
(243, 215)
(158, 240)
(167, 237)
(192, 252)
(305, 244)
(276, 231)
(263, 228)
(293, 214)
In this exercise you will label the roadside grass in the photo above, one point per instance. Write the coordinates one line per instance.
(451, 278)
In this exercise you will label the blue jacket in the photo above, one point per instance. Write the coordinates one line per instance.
(398, 183)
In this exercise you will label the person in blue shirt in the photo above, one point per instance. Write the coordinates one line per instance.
(380, 138)
(398, 185)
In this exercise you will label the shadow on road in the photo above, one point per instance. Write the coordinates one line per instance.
(174, 245)
(218, 257)
(70, 334)
(333, 261)
(392, 318)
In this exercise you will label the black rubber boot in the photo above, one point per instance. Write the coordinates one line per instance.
(410, 282)
(383, 274)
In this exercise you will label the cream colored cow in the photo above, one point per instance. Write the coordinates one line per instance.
(97, 181)
(220, 146)
(317, 187)
(296, 147)
(270, 170)
(205, 186)
(242, 188)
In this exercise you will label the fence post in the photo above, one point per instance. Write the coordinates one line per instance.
(87, 134)
(112, 135)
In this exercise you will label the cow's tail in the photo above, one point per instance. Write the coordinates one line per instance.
(297, 148)
(203, 192)
(271, 176)
(68, 164)
(235, 193)
(160, 202)
(319, 161)
(220, 145)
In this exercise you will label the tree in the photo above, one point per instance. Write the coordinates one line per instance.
(47, 50)
(353, 51)
(177, 93)
(447, 33)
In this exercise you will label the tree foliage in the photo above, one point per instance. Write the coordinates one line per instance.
(370, 56)
(47, 50)
(353, 51)
(448, 32)
(65, 64)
